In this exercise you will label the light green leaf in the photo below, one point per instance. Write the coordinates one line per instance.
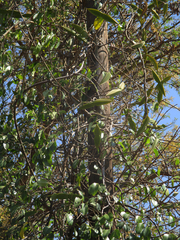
(154, 202)
(98, 22)
(84, 209)
(138, 219)
(125, 215)
(114, 92)
(104, 16)
(106, 77)
(97, 102)
(122, 85)
(93, 189)
(97, 136)
(138, 45)
(143, 126)
(139, 228)
(147, 233)
(153, 61)
(70, 219)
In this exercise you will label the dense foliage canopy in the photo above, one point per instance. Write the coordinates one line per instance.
(83, 150)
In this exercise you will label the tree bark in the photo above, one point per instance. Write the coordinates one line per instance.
(98, 62)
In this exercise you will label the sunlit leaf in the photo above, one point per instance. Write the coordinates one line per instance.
(138, 45)
(114, 92)
(93, 189)
(106, 77)
(97, 102)
(98, 22)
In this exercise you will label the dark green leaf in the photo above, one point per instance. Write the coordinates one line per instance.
(153, 61)
(80, 30)
(157, 79)
(143, 126)
(131, 123)
(104, 16)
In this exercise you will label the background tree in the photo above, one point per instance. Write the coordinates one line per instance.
(74, 103)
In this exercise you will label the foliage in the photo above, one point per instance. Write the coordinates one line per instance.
(47, 115)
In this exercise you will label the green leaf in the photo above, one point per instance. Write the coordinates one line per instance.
(143, 126)
(106, 77)
(165, 8)
(155, 13)
(115, 234)
(131, 123)
(125, 215)
(148, 94)
(69, 196)
(42, 182)
(105, 232)
(84, 209)
(157, 79)
(72, 32)
(166, 79)
(75, 163)
(97, 102)
(138, 219)
(77, 201)
(14, 13)
(154, 202)
(97, 136)
(47, 230)
(147, 233)
(93, 189)
(80, 30)
(153, 61)
(160, 96)
(70, 219)
(98, 22)
(104, 16)
(114, 92)
(138, 45)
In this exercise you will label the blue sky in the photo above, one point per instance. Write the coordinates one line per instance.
(174, 113)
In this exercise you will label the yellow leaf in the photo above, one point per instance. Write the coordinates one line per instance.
(22, 233)
(98, 22)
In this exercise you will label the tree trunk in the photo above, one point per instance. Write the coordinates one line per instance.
(98, 61)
